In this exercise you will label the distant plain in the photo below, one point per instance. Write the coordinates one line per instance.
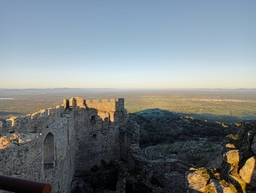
(228, 104)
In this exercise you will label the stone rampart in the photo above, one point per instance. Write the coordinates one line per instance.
(110, 105)
(36, 121)
(26, 154)
(97, 135)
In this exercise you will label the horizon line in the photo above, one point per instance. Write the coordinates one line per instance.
(194, 88)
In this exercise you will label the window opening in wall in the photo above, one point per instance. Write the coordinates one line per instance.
(48, 148)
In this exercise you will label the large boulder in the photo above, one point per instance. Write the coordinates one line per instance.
(232, 156)
(4, 142)
(198, 179)
(248, 171)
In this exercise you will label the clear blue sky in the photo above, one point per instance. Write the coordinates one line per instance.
(128, 44)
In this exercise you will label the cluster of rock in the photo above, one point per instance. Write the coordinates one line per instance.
(234, 172)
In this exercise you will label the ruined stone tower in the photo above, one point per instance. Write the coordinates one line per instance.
(50, 145)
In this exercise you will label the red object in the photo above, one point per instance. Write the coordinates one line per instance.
(19, 185)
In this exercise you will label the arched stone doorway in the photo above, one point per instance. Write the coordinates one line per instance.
(48, 148)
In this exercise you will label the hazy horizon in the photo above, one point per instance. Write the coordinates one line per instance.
(63, 88)
(128, 45)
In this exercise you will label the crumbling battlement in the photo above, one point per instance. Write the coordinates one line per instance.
(35, 121)
(109, 105)
(43, 118)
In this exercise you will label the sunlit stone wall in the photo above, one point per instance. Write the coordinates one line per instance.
(22, 152)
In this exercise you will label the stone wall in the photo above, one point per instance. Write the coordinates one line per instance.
(109, 105)
(50, 145)
(129, 143)
(22, 148)
(34, 122)
(97, 127)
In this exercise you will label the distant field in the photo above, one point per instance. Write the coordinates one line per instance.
(228, 103)
(235, 103)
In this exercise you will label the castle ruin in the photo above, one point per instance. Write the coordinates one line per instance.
(51, 145)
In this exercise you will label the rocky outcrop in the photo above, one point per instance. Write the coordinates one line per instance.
(198, 179)
(248, 171)
(232, 156)
(237, 172)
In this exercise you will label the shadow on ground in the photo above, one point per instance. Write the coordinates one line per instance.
(156, 112)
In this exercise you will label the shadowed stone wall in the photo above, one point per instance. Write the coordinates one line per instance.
(97, 132)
